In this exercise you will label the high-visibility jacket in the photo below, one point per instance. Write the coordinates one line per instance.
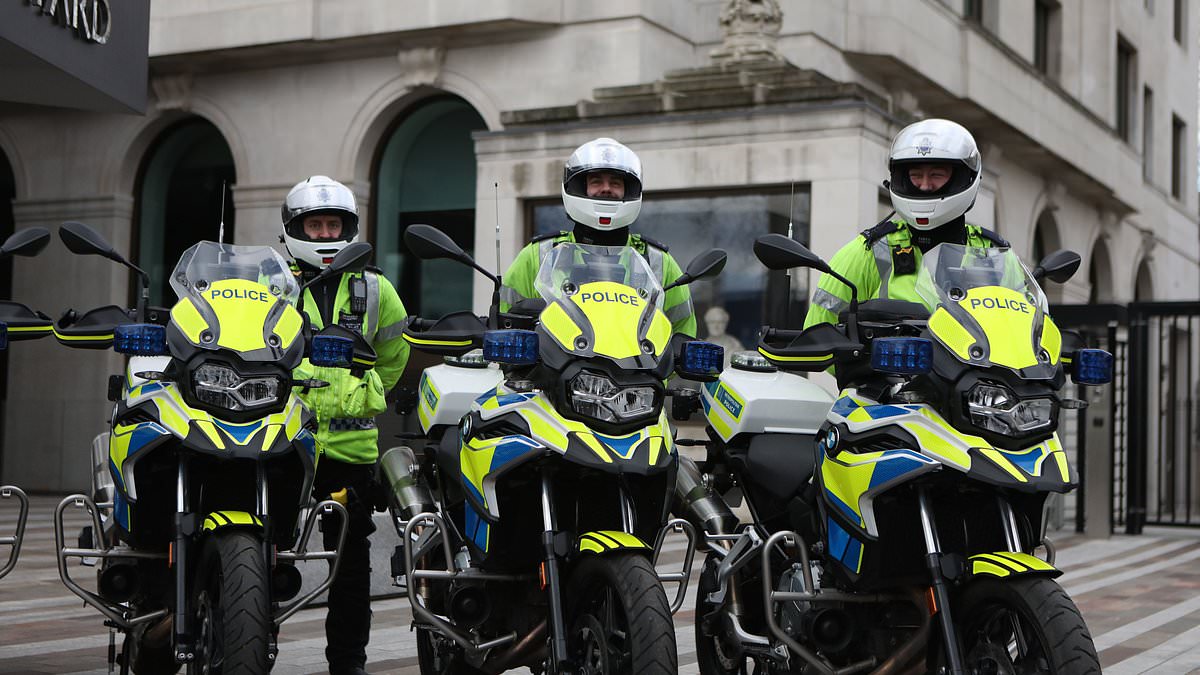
(518, 281)
(346, 409)
(883, 263)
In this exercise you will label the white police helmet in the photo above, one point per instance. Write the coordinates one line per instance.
(602, 154)
(318, 195)
(934, 141)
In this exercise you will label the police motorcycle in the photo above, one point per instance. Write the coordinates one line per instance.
(895, 530)
(528, 518)
(19, 322)
(201, 502)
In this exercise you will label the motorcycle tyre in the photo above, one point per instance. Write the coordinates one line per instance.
(427, 658)
(635, 587)
(1066, 641)
(231, 562)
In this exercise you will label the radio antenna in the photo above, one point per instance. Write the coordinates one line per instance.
(787, 303)
(496, 187)
(221, 217)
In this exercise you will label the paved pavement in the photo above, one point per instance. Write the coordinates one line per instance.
(1140, 596)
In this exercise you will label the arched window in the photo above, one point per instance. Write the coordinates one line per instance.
(425, 173)
(184, 180)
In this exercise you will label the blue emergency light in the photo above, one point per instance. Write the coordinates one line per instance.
(902, 355)
(1092, 366)
(140, 339)
(701, 359)
(330, 350)
(511, 347)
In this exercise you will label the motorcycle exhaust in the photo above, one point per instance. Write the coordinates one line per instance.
(285, 582)
(408, 494)
(118, 583)
(696, 501)
(470, 606)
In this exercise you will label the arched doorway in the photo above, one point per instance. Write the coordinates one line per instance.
(1045, 240)
(1100, 275)
(1143, 287)
(1045, 237)
(425, 173)
(183, 183)
(8, 191)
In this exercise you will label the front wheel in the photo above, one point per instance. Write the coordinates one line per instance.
(618, 619)
(1022, 626)
(231, 606)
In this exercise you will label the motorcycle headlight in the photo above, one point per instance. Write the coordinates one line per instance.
(597, 396)
(997, 409)
(222, 387)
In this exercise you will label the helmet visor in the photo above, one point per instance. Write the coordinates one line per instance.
(603, 156)
(319, 226)
(901, 181)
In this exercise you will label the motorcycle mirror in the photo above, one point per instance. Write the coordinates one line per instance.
(1058, 267)
(27, 242)
(352, 258)
(780, 252)
(429, 243)
(83, 240)
(707, 264)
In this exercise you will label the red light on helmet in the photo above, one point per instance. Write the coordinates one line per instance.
(605, 221)
(922, 221)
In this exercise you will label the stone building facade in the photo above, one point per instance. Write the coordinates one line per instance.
(749, 116)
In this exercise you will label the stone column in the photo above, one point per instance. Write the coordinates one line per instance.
(56, 395)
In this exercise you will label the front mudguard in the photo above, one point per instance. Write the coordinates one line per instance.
(603, 542)
(1005, 564)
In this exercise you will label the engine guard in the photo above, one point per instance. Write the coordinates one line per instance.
(14, 541)
(121, 614)
(683, 527)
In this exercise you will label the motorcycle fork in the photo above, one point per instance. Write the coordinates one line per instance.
(941, 590)
(185, 525)
(553, 579)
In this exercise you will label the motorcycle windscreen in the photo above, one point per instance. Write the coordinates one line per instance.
(603, 301)
(988, 310)
(208, 262)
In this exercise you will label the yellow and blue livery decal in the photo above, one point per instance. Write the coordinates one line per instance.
(1009, 563)
(936, 437)
(124, 444)
(427, 403)
(842, 546)
(726, 398)
(605, 541)
(850, 481)
(219, 519)
(1042, 466)
(482, 461)
(261, 435)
